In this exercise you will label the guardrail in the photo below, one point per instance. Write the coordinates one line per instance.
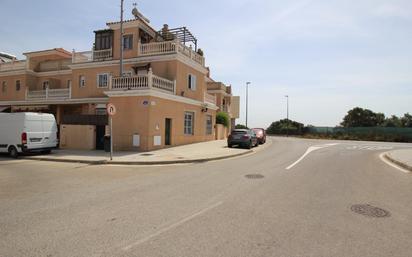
(13, 65)
(169, 47)
(48, 94)
(143, 82)
(208, 98)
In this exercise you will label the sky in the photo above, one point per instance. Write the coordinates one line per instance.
(328, 56)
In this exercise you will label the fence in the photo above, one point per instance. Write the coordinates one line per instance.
(364, 133)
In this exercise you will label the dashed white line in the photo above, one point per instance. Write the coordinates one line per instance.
(170, 227)
(310, 149)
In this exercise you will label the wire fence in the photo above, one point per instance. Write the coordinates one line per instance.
(364, 133)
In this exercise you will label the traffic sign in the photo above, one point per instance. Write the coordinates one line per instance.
(111, 109)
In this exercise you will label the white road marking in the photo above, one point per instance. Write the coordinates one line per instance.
(369, 147)
(382, 157)
(174, 225)
(310, 149)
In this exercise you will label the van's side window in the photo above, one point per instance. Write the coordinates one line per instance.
(18, 85)
(4, 87)
(82, 81)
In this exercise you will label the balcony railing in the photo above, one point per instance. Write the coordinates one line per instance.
(169, 47)
(48, 94)
(13, 65)
(210, 98)
(149, 81)
(90, 56)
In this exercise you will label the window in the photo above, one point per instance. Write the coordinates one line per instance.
(18, 85)
(102, 80)
(82, 81)
(4, 86)
(45, 84)
(191, 82)
(209, 125)
(128, 42)
(189, 121)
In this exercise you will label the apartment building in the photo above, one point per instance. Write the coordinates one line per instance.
(162, 98)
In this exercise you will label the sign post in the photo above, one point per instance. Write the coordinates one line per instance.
(111, 111)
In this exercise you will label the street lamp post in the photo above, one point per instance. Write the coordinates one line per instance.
(287, 115)
(247, 99)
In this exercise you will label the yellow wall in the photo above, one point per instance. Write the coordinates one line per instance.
(82, 137)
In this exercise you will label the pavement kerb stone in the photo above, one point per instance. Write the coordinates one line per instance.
(105, 162)
(397, 162)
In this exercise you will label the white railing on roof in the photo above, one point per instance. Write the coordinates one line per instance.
(210, 98)
(81, 57)
(13, 65)
(102, 54)
(143, 82)
(48, 94)
(169, 47)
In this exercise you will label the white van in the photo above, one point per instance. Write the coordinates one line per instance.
(27, 132)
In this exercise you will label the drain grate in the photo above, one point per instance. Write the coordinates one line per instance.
(370, 211)
(254, 176)
(146, 154)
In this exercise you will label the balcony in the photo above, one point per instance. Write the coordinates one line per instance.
(48, 94)
(92, 56)
(148, 49)
(14, 65)
(169, 47)
(211, 99)
(139, 82)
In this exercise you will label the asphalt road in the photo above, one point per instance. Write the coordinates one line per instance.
(301, 207)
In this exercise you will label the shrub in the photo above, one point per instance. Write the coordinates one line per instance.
(222, 118)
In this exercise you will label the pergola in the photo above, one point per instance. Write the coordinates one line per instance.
(182, 33)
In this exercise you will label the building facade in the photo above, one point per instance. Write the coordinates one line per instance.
(162, 98)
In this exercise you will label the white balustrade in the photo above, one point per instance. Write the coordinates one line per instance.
(49, 94)
(142, 82)
(102, 54)
(169, 47)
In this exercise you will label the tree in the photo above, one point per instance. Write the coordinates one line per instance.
(393, 121)
(406, 120)
(282, 127)
(358, 117)
(222, 118)
(240, 126)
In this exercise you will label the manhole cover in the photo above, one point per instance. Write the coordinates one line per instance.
(254, 176)
(370, 211)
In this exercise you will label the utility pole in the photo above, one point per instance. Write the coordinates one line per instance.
(287, 115)
(121, 38)
(247, 99)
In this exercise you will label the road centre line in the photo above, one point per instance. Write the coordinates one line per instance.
(172, 226)
(310, 149)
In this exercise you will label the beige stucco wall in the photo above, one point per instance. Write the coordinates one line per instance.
(221, 132)
(82, 137)
(134, 117)
(11, 93)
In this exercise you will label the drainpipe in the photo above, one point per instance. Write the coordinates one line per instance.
(121, 38)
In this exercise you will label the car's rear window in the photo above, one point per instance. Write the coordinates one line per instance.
(238, 132)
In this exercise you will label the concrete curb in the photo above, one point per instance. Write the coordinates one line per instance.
(107, 162)
(397, 162)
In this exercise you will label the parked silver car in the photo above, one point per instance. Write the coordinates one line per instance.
(243, 138)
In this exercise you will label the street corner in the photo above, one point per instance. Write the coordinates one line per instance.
(400, 159)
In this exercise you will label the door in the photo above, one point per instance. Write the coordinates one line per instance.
(168, 131)
(100, 131)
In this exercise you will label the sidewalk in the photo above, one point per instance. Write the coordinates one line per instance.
(401, 158)
(198, 152)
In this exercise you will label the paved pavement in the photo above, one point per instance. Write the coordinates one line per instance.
(315, 207)
(199, 152)
(401, 157)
